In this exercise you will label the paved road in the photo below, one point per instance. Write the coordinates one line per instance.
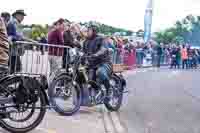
(162, 101)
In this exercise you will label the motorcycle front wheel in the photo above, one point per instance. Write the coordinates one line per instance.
(65, 96)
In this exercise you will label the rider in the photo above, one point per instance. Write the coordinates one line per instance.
(96, 48)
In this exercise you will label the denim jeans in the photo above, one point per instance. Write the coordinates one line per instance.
(103, 74)
(184, 63)
(139, 58)
(190, 62)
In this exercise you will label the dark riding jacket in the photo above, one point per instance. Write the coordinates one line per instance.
(98, 47)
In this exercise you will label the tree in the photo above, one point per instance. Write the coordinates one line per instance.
(37, 30)
(185, 30)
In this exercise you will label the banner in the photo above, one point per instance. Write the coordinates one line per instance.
(148, 21)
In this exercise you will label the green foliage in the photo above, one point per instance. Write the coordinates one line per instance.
(186, 30)
(36, 30)
(108, 30)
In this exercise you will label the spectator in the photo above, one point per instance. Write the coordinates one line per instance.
(15, 33)
(194, 58)
(139, 54)
(6, 17)
(120, 51)
(184, 57)
(15, 27)
(70, 35)
(159, 54)
(55, 37)
(190, 56)
(4, 49)
(68, 41)
(198, 53)
(154, 55)
(167, 55)
(178, 57)
(173, 57)
(111, 46)
(43, 39)
(115, 50)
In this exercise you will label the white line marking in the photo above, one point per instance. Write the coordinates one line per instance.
(117, 123)
(107, 122)
(173, 73)
(46, 130)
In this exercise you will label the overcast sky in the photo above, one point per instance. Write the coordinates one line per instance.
(120, 13)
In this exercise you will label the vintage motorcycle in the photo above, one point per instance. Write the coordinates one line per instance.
(20, 97)
(85, 91)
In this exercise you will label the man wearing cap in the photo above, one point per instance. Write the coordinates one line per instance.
(14, 30)
(15, 33)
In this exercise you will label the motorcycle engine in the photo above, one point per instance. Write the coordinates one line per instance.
(26, 91)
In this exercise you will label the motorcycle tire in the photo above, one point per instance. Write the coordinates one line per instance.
(119, 92)
(56, 107)
(40, 114)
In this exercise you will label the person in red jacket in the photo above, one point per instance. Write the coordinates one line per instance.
(55, 37)
(184, 57)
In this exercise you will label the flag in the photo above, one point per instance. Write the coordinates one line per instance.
(148, 21)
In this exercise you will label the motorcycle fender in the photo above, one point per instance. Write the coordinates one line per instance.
(122, 79)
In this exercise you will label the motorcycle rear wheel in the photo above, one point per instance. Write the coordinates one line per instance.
(116, 94)
(6, 123)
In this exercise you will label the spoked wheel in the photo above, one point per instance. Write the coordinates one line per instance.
(23, 112)
(115, 94)
(65, 96)
(26, 116)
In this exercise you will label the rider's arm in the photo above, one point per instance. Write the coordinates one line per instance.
(104, 49)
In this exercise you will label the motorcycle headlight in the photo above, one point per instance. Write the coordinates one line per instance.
(72, 52)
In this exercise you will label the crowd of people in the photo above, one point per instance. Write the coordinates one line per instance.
(175, 55)
(66, 33)
(185, 55)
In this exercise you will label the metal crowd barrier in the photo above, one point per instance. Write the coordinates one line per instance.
(36, 58)
(43, 59)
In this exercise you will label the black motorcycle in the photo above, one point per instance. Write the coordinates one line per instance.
(22, 103)
(77, 86)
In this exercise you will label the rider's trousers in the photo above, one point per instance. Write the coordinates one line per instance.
(103, 74)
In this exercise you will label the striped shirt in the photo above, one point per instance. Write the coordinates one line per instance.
(4, 44)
